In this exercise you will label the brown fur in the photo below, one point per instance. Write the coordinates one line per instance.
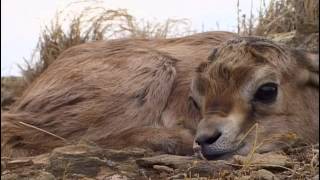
(135, 92)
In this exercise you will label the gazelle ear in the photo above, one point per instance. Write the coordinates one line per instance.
(309, 62)
(198, 88)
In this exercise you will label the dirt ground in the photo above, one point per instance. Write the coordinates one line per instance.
(87, 161)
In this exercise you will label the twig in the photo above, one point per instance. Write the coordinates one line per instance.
(238, 16)
(247, 133)
(254, 147)
(42, 130)
(266, 165)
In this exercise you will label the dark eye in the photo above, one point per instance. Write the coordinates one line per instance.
(267, 93)
(194, 103)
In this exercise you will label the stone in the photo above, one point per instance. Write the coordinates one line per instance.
(244, 178)
(116, 177)
(91, 161)
(263, 174)
(41, 160)
(125, 154)
(111, 154)
(73, 164)
(10, 176)
(79, 149)
(3, 166)
(30, 174)
(178, 176)
(186, 164)
(17, 163)
(76, 159)
(44, 176)
(268, 160)
(163, 168)
(172, 161)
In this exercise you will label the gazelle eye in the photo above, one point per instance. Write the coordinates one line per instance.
(194, 103)
(267, 93)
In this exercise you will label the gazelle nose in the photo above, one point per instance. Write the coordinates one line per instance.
(207, 139)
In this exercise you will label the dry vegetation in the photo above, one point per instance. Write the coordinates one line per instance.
(277, 18)
(94, 24)
(298, 20)
(97, 23)
(292, 22)
(295, 23)
(11, 88)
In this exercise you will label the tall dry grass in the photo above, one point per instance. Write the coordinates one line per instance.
(278, 17)
(94, 23)
(287, 15)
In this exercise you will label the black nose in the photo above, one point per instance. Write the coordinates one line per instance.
(207, 139)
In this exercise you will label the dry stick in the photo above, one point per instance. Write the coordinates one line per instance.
(238, 16)
(272, 138)
(266, 165)
(247, 133)
(254, 147)
(44, 131)
(251, 19)
(314, 160)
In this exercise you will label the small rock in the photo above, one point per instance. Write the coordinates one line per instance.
(263, 174)
(178, 176)
(116, 177)
(42, 159)
(10, 176)
(172, 161)
(267, 160)
(90, 150)
(17, 163)
(75, 159)
(209, 168)
(77, 176)
(79, 149)
(245, 178)
(185, 163)
(111, 163)
(125, 154)
(44, 176)
(3, 166)
(163, 168)
(30, 174)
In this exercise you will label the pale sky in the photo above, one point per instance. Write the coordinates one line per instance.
(21, 21)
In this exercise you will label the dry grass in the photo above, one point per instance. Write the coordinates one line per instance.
(94, 23)
(11, 88)
(278, 17)
(287, 15)
(303, 159)
(246, 25)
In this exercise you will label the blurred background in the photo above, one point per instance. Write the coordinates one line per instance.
(35, 32)
(23, 21)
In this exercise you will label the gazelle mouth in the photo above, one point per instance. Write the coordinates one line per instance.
(212, 152)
